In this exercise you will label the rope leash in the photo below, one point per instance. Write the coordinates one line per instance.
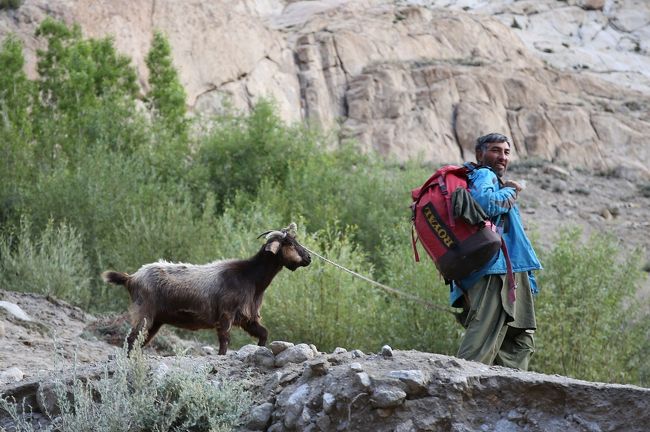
(384, 287)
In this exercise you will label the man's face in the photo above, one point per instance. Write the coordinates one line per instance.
(496, 156)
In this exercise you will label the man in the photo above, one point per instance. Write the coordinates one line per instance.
(499, 329)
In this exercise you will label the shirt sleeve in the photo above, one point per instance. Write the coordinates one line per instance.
(494, 199)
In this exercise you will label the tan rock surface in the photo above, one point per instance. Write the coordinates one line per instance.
(406, 78)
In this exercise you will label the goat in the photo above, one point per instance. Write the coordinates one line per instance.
(216, 295)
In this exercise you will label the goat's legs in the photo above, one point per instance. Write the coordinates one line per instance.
(144, 325)
(255, 329)
(223, 332)
(152, 332)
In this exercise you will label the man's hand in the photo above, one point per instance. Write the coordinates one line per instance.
(516, 185)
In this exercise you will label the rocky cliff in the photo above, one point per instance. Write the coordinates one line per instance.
(568, 80)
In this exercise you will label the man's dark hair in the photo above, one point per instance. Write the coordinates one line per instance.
(482, 142)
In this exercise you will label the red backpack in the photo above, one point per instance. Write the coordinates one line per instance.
(456, 247)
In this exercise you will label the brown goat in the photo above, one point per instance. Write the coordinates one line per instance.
(216, 295)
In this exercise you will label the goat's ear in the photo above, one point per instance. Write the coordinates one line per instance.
(273, 247)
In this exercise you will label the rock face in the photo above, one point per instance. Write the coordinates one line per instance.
(408, 391)
(569, 81)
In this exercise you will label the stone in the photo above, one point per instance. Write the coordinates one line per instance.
(386, 351)
(557, 171)
(363, 379)
(296, 354)
(387, 397)
(278, 346)
(263, 357)
(356, 367)
(295, 404)
(47, 399)
(13, 310)
(324, 422)
(415, 380)
(11, 375)
(208, 350)
(318, 367)
(161, 371)
(329, 402)
(260, 416)
(245, 352)
(592, 4)
(606, 214)
(407, 426)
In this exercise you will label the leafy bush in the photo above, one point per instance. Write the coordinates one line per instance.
(590, 325)
(413, 324)
(242, 151)
(130, 396)
(87, 94)
(50, 262)
(10, 4)
(167, 96)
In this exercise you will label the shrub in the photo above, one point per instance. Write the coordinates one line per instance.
(51, 263)
(412, 324)
(10, 4)
(590, 326)
(130, 396)
(242, 151)
(87, 93)
(166, 97)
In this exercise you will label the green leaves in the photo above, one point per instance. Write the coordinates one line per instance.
(590, 324)
(77, 73)
(166, 97)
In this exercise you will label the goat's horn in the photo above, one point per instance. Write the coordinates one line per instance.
(264, 233)
(270, 234)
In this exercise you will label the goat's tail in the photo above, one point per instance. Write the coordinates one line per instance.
(114, 277)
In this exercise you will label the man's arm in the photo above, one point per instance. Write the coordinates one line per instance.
(485, 190)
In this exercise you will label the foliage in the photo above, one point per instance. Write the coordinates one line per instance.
(10, 4)
(76, 72)
(16, 92)
(258, 141)
(129, 396)
(166, 96)
(87, 94)
(51, 262)
(15, 88)
(591, 327)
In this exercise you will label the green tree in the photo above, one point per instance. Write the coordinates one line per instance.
(590, 325)
(10, 4)
(87, 92)
(15, 88)
(76, 72)
(16, 93)
(166, 97)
